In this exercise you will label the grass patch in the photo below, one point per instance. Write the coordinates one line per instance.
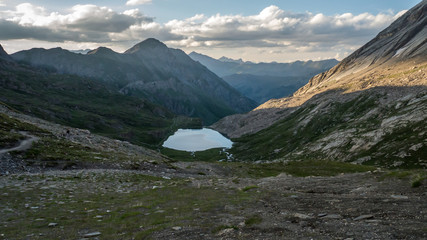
(117, 205)
(253, 220)
(295, 168)
(414, 177)
(323, 168)
(247, 188)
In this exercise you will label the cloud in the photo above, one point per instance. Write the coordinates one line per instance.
(137, 2)
(272, 29)
(89, 23)
(273, 25)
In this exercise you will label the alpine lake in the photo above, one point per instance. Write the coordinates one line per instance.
(193, 140)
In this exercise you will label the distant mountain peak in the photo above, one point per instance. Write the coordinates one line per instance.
(226, 59)
(81, 51)
(3, 54)
(101, 51)
(149, 43)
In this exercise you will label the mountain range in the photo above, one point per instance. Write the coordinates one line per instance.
(85, 103)
(370, 108)
(264, 81)
(151, 71)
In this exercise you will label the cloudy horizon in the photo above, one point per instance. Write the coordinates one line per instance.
(272, 33)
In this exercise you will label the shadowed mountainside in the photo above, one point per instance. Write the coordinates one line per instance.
(152, 71)
(264, 81)
(86, 103)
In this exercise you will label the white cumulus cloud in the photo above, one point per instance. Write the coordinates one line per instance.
(273, 30)
(137, 2)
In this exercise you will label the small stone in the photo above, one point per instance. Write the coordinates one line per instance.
(332, 216)
(99, 216)
(373, 221)
(52, 224)
(302, 216)
(399, 197)
(322, 214)
(177, 228)
(92, 234)
(363, 217)
(226, 231)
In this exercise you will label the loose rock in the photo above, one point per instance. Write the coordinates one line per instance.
(363, 217)
(92, 234)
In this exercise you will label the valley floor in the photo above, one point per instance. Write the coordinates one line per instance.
(197, 200)
(72, 184)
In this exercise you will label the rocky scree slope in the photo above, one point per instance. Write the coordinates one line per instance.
(152, 71)
(369, 108)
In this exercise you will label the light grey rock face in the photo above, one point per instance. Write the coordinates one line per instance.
(404, 39)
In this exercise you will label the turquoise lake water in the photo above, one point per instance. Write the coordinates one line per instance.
(193, 140)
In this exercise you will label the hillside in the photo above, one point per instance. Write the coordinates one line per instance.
(264, 81)
(370, 108)
(151, 71)
(263, 88)
(86, 103)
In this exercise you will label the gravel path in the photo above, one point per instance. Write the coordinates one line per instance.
(23, 145)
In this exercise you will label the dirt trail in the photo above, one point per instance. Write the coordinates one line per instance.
(23, 145)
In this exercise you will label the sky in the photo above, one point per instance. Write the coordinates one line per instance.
(254, 30)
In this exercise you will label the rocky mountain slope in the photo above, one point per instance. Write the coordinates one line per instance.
(369, 108)
(264, 81)
(86, 103)
(152, 71)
